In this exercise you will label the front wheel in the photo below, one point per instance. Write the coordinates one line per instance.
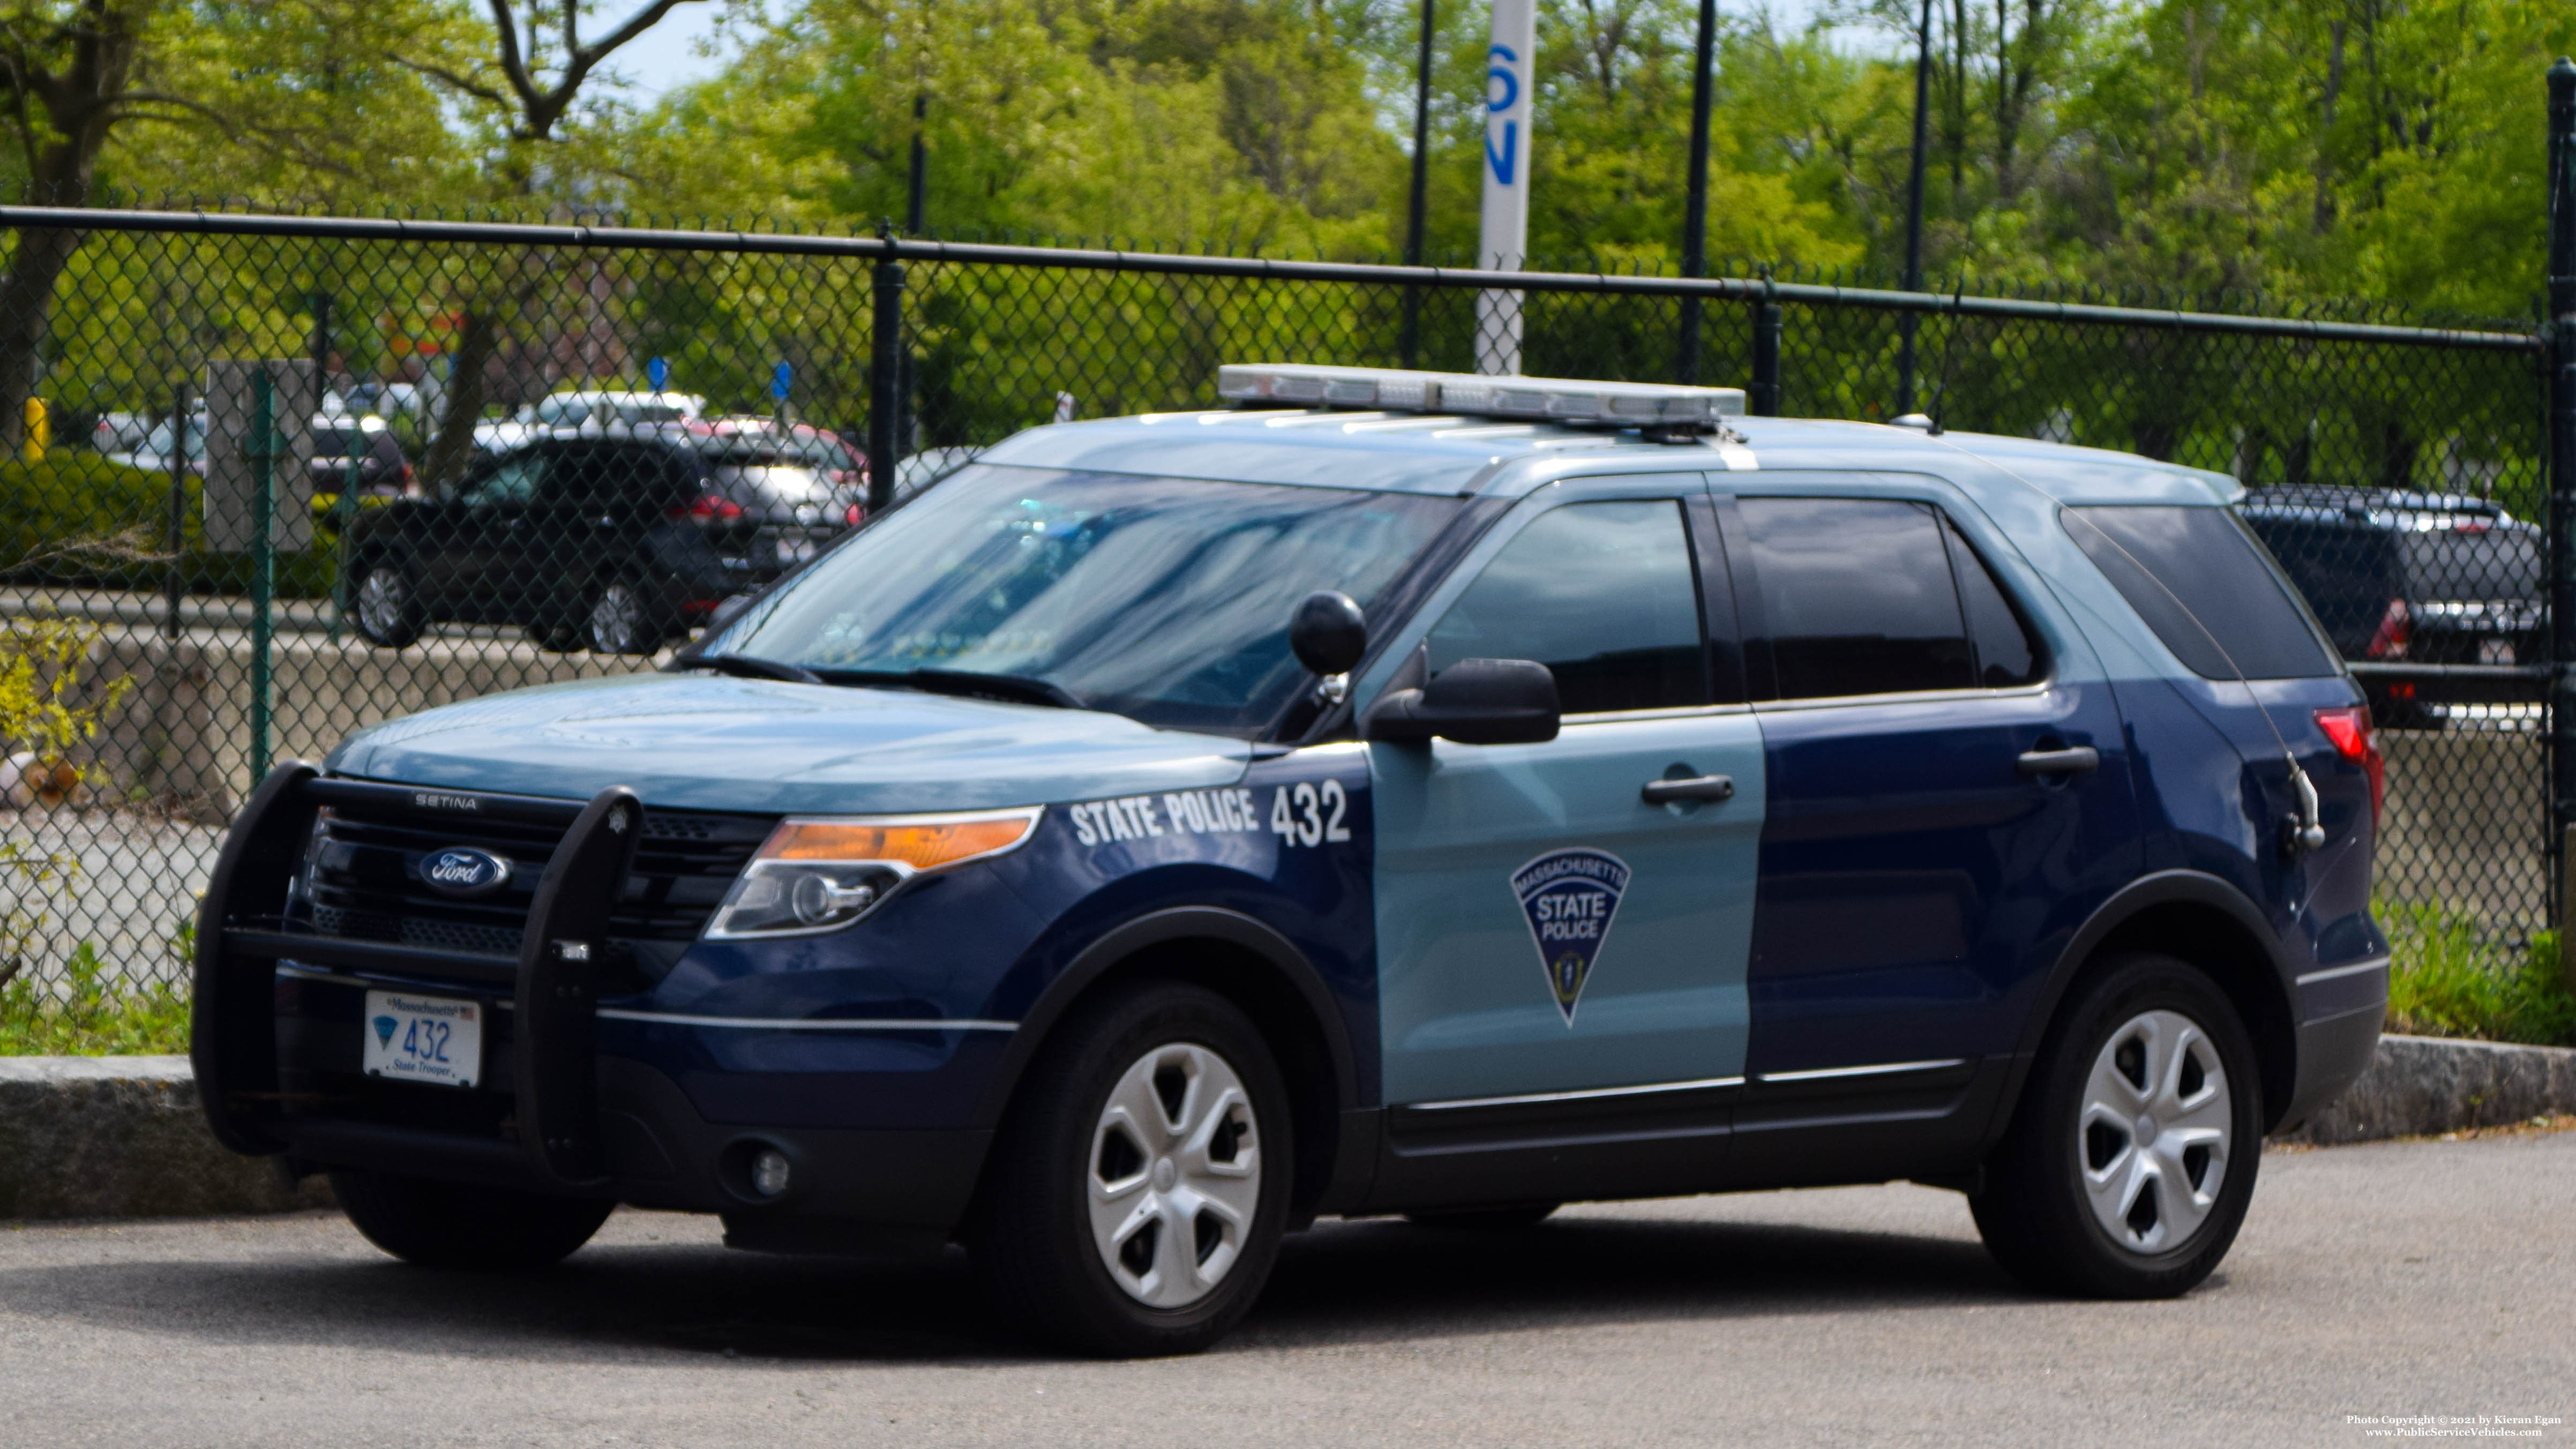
(1137, 1191)
(2130, 1162)
(455, 1225)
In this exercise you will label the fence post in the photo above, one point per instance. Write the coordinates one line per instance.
(885, 380)
(2560, 334)
(263, 559)
(178, 545)
(1763, 397)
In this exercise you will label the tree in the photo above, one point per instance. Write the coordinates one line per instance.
(527, 88)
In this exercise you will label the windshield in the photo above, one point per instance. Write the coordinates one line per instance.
(1163, 599)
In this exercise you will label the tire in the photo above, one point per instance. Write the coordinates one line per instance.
(618, 619)
(1485, 1220)
(558, 635)
(454, 1225)
(386, 605)
(2103, 1191)
(1077, 1232)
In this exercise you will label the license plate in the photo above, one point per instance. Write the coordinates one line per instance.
(433, 1039)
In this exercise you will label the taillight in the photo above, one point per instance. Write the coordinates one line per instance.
(2396, 629)
(858, 514)
(707, 510)
(2348, 730)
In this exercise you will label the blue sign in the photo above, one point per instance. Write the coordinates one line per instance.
(657, 373)
(1569, 897)
(779, 380)
(1506, 161)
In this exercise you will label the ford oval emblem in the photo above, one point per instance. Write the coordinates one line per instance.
(464, 870)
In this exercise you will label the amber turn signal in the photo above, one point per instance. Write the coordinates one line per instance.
(923, 842)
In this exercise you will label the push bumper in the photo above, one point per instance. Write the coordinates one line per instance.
(557, 1116)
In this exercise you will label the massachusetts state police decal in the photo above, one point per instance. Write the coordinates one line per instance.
(1569, 897)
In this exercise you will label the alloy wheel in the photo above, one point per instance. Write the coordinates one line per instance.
(616, 623)
(2153, 1138)
(384, 601)
(1174, 1175)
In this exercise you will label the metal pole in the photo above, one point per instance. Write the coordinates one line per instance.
(2561, 362)
(176, 585)
(1411, 345)
(1695, 218)
(1762, 399)
(913, 208)
(263, 558)
(885, 383)
(1909, 321)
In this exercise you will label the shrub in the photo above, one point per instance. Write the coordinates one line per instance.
(72, 515)
(93, 1016)
(2445, 980)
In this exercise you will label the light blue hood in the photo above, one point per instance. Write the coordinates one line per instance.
(705, 742)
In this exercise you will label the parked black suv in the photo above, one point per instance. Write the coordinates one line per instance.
(2420, 578)
(615, 544)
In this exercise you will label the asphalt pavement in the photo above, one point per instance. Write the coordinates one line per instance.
(2401, 1279)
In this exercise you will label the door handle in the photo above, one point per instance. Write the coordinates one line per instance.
(1703, 787)
(2081, 760)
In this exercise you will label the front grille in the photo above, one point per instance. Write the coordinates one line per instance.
(363, 880)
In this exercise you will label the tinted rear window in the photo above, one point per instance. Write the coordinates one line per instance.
(2473, 564)
(1857, 596)
(2205, 587)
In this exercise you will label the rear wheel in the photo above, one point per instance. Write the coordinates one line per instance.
(620, 620)
(1137, 1192)
(2130, 1162)
(386, 607)
(455, 1225)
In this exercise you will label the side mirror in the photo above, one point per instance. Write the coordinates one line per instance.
(1474, 702)
(1328, 633)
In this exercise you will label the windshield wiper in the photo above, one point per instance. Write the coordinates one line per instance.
(967, 683)
(744, 666)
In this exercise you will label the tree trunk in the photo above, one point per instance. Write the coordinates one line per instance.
(26, 314)
(461, 407)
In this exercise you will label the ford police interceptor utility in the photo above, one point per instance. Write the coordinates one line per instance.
(1399, 794)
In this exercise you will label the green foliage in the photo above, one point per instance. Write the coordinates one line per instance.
(93, 1016)
(2446, 980)
(73, 515)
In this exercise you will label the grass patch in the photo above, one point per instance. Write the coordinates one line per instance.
(2444, 979)
(95, 1018)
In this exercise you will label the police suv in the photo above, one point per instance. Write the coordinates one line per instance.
(1401, 793)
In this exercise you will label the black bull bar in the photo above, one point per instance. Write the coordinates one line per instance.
(242, 933)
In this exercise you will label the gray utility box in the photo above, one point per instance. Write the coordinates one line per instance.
(232, 480)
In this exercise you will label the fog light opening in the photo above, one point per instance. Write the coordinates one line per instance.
(769, 1172)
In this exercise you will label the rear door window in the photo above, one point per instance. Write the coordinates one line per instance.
(2206, 587)
(1604, 595)
(1857, 597)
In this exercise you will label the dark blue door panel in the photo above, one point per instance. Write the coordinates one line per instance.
(1915, 884)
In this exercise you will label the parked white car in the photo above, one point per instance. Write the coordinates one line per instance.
(152, 450)
(587, 413)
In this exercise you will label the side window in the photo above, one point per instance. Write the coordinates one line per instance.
(1857, 596)
(2005, 651)
(1603, 594)
(2206, 588)
(512, 482)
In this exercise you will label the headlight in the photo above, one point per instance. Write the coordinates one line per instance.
(817, 874)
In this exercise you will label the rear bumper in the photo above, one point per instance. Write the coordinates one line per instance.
(2340, 1010)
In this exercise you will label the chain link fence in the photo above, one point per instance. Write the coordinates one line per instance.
(268, 479)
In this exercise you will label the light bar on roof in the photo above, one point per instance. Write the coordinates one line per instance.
(1533, 399)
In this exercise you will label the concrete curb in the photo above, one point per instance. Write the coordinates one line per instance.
(123, 1137)
(2420, 1085)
